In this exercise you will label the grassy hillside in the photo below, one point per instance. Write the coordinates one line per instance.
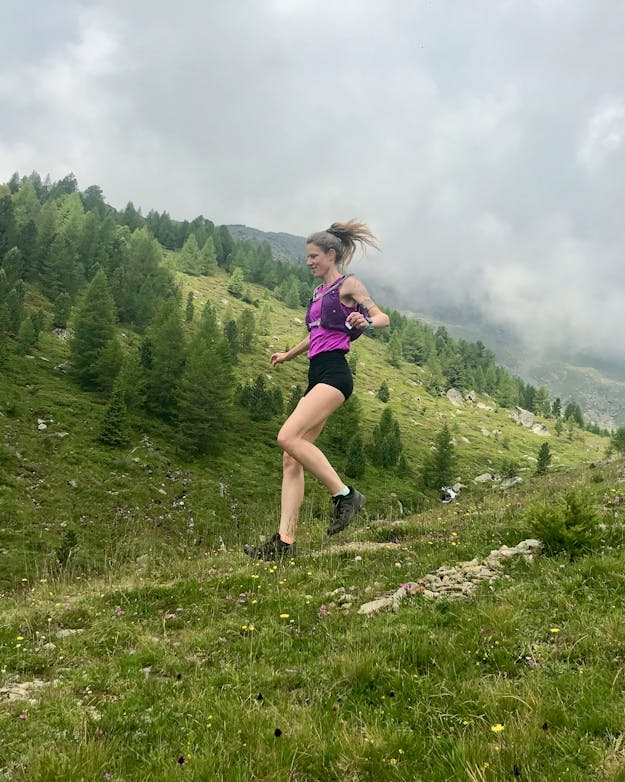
(158, 650)
(59, 487)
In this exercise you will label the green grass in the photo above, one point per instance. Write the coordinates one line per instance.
(192, 664)
(149, 648)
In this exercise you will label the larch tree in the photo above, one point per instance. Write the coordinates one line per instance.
(94, 330)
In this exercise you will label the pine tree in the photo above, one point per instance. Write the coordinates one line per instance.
(544, 459)
(386, 447)
(206, 391)
(573, 412)
(617, 440)
(393, 350)
(236, 283)
(166, 362)
(439, 465)
(189, 259)
(433, 379)
(27, 335)
(13, 266)
(292, 294)
(264, 319)
(383, 392)
(62, 310)
(231, 334)
(246, 326)
(355, 459)
(188, 313)
(114, 426)
(208, 257)
(132, 381)
(94, 328)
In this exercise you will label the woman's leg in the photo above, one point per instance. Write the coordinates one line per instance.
(304, 425)
(296, 437)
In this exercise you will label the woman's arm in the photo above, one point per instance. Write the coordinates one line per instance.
(280, 358)
(354, 292)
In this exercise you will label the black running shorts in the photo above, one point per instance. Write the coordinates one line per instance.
(332, 369)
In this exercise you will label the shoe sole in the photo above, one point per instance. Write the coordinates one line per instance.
(360, 501)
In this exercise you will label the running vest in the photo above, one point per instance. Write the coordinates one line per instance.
(333, 313)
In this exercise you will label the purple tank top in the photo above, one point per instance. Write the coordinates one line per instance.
(322, 340)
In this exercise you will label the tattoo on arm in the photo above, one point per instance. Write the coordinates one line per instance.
(368, 302)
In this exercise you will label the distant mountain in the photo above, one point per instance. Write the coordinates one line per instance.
(284, 247)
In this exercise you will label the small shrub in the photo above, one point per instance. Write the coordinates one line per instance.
(568, 524)
(509, 468)
(66, 548)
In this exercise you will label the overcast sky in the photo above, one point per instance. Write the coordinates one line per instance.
(482, 140)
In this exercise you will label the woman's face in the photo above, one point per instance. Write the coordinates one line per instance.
(318, 261)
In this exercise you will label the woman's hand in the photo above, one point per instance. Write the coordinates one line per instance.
(357, 321)
(278, 358)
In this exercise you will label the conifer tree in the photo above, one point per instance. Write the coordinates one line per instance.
(13, 266)
(433, 379)
(231, 334)
(188, 313)
(114, 425)
(264, 319)
(27, 335)
(617, 440)
(8, 230)
(573, 412)
(246, 326)
(132, 381)
(208, 257)
(206, 390)
(62, 310)
(355, 459)
(439, 465)
(393, 350)
(15, 306)
(292, 293)
(386, 447)
(189, 259)
(544, 459)
(94, 328)
(166, 361)
(383, 392)
(236, 283)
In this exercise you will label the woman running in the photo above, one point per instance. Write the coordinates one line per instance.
(340, 310)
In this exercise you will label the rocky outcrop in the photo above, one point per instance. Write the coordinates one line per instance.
(455, 581)
(455, 397)
(522, 417)
(485, 477)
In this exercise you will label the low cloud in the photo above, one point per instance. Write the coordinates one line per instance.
(482, 142)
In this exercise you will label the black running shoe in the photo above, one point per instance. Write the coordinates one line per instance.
(345, 508)
(274, 548)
